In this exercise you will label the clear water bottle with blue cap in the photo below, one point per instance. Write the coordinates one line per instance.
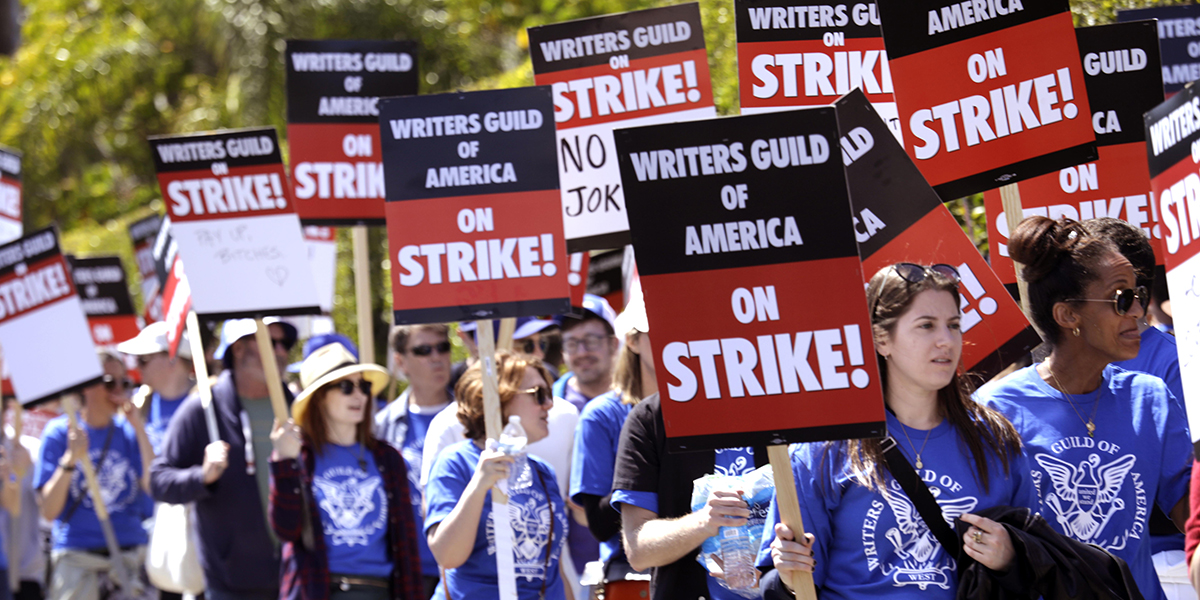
(513, 442)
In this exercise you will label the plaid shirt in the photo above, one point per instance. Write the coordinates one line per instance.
(306, 572)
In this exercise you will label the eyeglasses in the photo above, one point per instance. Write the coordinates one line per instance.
(540, 394)
(590, 342)
(427, 349)
(112, 383)
(347, 387)
(914, 273)
(1123, 299)
(145, 359)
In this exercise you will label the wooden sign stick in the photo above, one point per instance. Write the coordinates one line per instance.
(789, 514)
(70, 405)
(1010, 195)
(362, 294)
(14, 516)
(202, 384)
(493, 425)
(508, 326)
(266, 350)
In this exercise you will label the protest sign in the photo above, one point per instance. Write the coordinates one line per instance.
(48, 348)
(1178, 39)
(175, 297)
(605, 277)
(333, 91)
(143, 233)
(104, 293)
(988, 93)
(1123, 81)
(752, 283)
(235, 225)
(577, 275)
(808, 53)
(899, 218)
(623, 70)
(11, 225)
(322, 257)
(473, 206)
(1173, 151)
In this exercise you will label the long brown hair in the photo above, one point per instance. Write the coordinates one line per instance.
(982, 429)
(316, 430)
(627, 375)
(510, 371)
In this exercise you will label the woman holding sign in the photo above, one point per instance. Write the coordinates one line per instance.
(459, 520)
(1107, 443)
(866, 534)
(347, 487)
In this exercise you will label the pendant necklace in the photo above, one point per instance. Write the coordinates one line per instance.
(904, 430)
(1091, 421)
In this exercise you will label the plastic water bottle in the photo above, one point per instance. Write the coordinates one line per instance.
(738, 557)
(512, 442)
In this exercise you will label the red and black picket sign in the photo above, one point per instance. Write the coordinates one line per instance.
(1173, 152)
(989, 93)
(1124, 80)
(899, 218)
(233, 219)
(143, 233)
(620, 70)
(808, 53)
(42, 322)
(474, 229)
(752, 284)
(174, 296)
(1178, 35)
(333, 89)
(11, 225)
(104, 293)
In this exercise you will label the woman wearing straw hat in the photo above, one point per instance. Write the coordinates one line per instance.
(330, 475)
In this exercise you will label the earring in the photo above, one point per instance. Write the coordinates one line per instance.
(1075, 331)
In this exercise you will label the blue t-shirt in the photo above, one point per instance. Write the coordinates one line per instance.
(1099, 489)
(870, 544)
(595, 454)
(414, 445)
(161, 411)
(353, 507)
(728, 461)
(530, 513)
(119, 477)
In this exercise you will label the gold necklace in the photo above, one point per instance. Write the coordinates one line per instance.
(904, 430)
(1091, 422)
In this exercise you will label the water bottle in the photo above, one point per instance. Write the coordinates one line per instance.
(512, 442)
(738, 557)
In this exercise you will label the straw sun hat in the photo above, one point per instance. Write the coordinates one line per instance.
(327, 365)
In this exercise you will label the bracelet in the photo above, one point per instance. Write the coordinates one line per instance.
(67, 468)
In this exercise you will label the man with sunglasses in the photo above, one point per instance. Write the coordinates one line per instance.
(421, 354)
(541, 338)
(228, 480)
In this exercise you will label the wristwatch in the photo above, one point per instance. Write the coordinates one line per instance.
(66, 467)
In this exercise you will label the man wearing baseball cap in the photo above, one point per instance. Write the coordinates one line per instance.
(169, 380)
(228, 479)
(590, 347)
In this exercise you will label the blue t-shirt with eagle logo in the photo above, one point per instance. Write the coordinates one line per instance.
(353, 505)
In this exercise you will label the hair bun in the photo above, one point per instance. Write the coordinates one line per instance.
(1040, 243)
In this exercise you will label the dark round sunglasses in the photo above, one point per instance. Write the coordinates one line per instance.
(540, 394)
(1122, 300)
(427, 349)
(347, 387)
(914, 273)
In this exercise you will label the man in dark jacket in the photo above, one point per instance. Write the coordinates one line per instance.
(239, 555)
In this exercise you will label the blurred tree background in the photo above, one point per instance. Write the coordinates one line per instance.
(93, 78)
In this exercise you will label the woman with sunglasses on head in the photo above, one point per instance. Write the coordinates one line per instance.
(112, 434)
(459, 518)
(1105, 443)
(866, 537)
(339, 497)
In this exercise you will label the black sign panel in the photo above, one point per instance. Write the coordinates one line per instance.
(591, 42)
(911, 26)
(1121, 63)
(102, 287)
(341, 81)
(236, 148)
(1179, 39)
(763, 216)
(10, 164)
(785, 21)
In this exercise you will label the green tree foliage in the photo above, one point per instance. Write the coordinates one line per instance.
(94, 78)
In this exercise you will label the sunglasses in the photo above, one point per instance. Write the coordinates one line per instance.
(347, 387)
(283, 344)
(427, 349)
(540, 394)
(528, 345)
(1123, 299)
(914, 273)
(112, 383)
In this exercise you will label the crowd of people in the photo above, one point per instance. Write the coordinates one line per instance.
(1067, 477)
